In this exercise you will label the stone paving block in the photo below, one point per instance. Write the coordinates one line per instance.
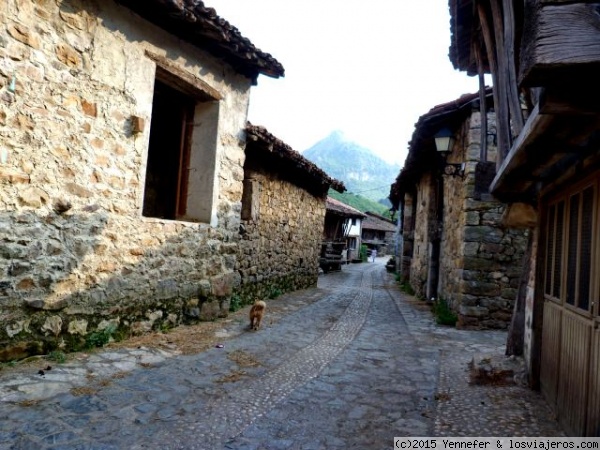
(361, 365)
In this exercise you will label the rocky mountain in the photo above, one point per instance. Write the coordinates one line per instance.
(361, 170)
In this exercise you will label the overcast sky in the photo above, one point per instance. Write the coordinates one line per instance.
(366, 68)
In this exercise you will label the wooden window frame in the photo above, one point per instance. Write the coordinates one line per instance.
(194, 200)
(566, 197)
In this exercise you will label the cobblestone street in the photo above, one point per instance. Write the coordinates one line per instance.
(355, 365)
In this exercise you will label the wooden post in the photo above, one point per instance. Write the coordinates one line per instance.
(516, 330)
(502, 130)
(513, 90)
(502, 108)
(482, 104)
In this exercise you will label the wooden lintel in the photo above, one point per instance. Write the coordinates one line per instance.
(170, 73)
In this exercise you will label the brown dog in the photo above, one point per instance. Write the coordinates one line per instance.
(256, 314)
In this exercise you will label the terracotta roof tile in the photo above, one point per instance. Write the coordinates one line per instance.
(191, 21)
(376, 222)
(281, 150)
(337, 207)
(421, 148)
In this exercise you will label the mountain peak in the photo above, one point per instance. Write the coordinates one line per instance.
(338, 135)
(358, 167)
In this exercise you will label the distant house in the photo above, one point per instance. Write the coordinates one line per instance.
(544, 59)
(122, 133)
(453, 244)
(341, 235)
(283, 212)
(378, 233)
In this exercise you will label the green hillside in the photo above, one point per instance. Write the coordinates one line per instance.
(361, 203)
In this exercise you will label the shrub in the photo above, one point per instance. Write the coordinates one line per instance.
(404, 285)
(274, 293)
(100, 338)
(363, 253)
(57, 356)
(443, 314)
(235, 303)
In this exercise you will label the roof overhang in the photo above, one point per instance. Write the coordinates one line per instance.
(192, 22)
(422, 151)
(561, 133)
(288, 161)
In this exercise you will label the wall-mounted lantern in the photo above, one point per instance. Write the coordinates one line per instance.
(444, 141)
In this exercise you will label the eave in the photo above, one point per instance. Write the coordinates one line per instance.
(288, 161)
(192, 22)
(422, 153)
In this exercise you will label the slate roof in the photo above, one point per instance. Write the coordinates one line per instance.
(191, 21)
(341, 209)
(288, 158)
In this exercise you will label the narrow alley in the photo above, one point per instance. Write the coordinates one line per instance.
(353, 364)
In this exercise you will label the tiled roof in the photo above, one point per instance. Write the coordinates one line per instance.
(421, 148)
(191, 21)
(374, 222)
(280, 150)
(336, 207)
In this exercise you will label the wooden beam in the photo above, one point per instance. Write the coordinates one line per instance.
(513, 89)
(570, 100)
(547, 147)
(560, 39)
(534, 128)
(482, 103)
(502, 126)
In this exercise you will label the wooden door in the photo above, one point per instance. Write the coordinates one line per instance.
(570, 366)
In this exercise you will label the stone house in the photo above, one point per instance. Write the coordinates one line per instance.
(102, 229)
(341, 235)
(453, 244)
(378, 233)
(354, 239)
(283, 212)
(544, 59)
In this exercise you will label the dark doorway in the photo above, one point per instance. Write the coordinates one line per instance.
(165, 190)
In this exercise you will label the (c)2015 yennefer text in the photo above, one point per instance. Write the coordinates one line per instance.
(497, 443)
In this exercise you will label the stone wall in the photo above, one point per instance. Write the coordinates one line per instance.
(406, 235)
(280, 246)
(425, 215)
(75, 252)
(481, 259)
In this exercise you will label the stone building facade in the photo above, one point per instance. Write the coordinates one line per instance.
(283, 214)
(99, 230)
(454, 242)
(378, 233)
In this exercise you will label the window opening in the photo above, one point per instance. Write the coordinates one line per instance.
(168, 154)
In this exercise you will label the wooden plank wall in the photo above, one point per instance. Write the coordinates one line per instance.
(573, 373)
(550, 351)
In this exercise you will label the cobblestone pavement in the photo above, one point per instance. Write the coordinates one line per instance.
(359, 366)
